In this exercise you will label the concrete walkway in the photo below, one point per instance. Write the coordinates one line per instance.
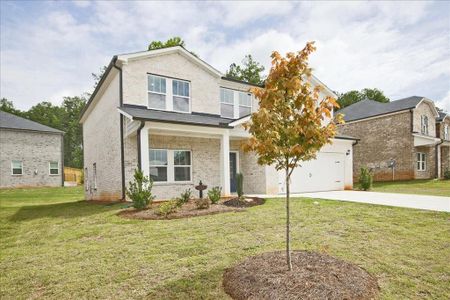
(435, 203)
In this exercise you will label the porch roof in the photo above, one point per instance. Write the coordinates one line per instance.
(144, 114)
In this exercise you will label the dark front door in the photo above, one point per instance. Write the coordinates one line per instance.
(233, 171)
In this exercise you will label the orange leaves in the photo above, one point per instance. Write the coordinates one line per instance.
(288, 127)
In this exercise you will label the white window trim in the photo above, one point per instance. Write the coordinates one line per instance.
(236, 103)
(169, 94)
(422, 159)
(179, 96)
(171, 167)
(49, 168)
(21, 164)
(446, 133)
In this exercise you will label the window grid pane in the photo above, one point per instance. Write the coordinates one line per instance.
(157, 84)
(158, 174)
(180, 88)
(156, 101)
(158, 157)
(227, 110)
(245, 99)
(226, 96)
(181, 104)
(182, 158)
(182, 173)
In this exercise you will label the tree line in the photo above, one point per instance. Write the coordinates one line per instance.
(66, 116)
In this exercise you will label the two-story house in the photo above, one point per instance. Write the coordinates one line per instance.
(401, 140)
(180, 120)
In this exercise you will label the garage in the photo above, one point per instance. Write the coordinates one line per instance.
(325, 173)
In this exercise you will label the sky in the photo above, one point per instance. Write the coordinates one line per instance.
(48, 50)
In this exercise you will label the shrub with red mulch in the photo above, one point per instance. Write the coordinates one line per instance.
(314, 276)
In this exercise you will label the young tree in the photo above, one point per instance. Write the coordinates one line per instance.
(290, 125)
(250, 71)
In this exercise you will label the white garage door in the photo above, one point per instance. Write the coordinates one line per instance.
(325, 173)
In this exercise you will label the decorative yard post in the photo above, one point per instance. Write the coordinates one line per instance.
(290, 125)
(200, 188)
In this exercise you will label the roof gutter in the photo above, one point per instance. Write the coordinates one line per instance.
(122, 150)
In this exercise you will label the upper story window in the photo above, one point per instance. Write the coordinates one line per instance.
(16, 167)
(424, 124)
(446, 133)
(235, 104)
(53, 167)
(160, 97)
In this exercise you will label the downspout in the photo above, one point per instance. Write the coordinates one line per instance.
(122, 154)
(436, 158)
(139, 144)
(412, 120)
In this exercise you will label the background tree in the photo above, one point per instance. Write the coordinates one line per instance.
(354, 96)
(288, 127)
(98, 76)
(249, 71)
(174, 41)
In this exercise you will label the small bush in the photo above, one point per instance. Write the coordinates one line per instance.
(167, 208)
(365, 179)
(240, 185)
(214, 194)
(447, 174)
(140, 190)
(202, 203)
(185, 196)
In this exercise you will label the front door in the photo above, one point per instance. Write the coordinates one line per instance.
(233, 171)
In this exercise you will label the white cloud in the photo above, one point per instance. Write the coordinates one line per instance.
(444, 103)
(401, 48)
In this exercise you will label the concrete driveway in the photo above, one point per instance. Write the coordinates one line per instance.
(435, 203)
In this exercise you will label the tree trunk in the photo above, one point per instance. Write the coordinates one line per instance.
(288, 238)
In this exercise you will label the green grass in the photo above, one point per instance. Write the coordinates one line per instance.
(420, 187)
(54, 246)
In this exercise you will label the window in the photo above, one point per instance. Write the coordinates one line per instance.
(424, 124)
(446, 135)
(226, 103)
(156, 92)
(182, 165)
(170, 165)
(180, 91)
(94, 170)
(421, 161)
(53, 168)
(16, 167)
(158, 165)
(245, 104)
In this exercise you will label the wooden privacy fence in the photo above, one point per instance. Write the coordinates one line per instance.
(73, 175)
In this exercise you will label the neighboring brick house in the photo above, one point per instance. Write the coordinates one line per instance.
(399, 140)
(443, 132)
(179, 119)
(31, 153)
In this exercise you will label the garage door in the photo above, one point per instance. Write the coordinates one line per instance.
(325, 173)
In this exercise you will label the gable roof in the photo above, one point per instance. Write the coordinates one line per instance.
(10, 121)
(369, 108)
(442, 116)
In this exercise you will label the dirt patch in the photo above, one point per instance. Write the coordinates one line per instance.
(314, 276)
(247, 202)
(187, 210)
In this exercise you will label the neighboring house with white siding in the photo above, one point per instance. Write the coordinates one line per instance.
(31, 153)
(180, 120)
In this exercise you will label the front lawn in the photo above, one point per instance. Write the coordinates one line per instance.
(422, 187)
(54, 246)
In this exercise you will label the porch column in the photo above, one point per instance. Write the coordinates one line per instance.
(225, 162)
(438, 161)
(145, 160)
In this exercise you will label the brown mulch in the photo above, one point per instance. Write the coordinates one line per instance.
(247, 202)
(187, 210)
(314, 276)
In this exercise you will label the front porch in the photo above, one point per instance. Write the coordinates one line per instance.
(178, 156)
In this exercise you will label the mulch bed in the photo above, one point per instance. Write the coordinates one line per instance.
(314, 276)
(247, 202)
(187, 210)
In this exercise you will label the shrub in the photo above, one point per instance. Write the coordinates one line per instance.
(447, 174)
(365, 179)
(214, 194)
(185, 196)
(168, 208)
(140, 190)
(240, 185)
(202, 203)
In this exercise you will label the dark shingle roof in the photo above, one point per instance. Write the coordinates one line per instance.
(369, 108)
(145, 114)
(441, 117)
(11, 121)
